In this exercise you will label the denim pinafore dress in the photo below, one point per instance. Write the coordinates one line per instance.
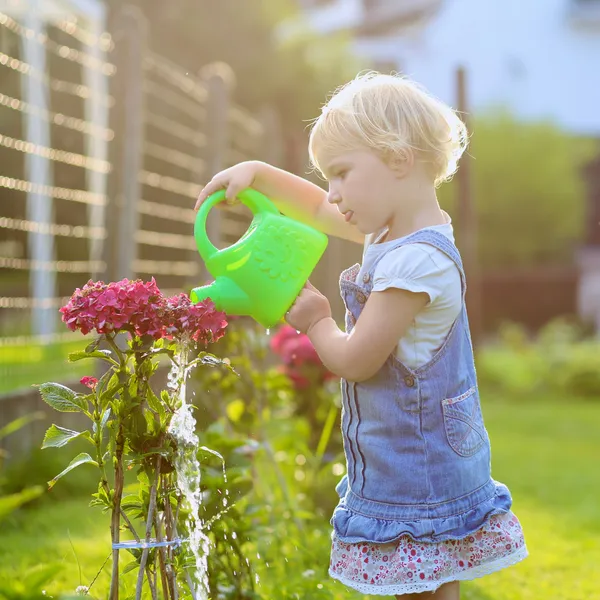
(418, 506)
(416, 447)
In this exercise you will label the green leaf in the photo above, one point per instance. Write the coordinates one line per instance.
(80, 459)
(164, 396)
(57, 437)
(114, 385)
(10, 503)
(62, 398)
(105, 418)
(93, 345)
(104, 354)
(19, 423)
(156, 405)
(150, 421)
(131, 566)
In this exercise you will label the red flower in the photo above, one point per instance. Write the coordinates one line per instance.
(201, 320)
(140, 308)
(300, 359)
(90, 382)
(293, 347)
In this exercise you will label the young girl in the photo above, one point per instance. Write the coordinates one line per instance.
(418, 509)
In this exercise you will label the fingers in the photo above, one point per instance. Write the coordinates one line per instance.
(210, 188)
(232, 191)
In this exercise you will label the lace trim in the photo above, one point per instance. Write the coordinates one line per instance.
(432, 586)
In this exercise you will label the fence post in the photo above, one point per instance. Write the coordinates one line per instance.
(220, 79)
(39, 171)
(97, 111)
(129, 30)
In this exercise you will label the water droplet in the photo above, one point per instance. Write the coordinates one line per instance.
(268, 332)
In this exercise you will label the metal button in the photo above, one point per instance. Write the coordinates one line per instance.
(366, 278)
(361, 298)
(409, 380)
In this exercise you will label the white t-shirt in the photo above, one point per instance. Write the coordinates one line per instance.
(419, 267)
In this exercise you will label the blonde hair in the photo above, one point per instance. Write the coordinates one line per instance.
(390, 115)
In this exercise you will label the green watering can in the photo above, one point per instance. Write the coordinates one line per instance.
(261, 274)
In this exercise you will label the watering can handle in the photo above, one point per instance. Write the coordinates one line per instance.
(255, 201)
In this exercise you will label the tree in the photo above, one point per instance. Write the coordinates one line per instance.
(528, 191)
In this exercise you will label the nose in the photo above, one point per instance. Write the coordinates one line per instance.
(333, 197)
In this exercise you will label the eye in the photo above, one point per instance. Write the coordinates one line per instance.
(341, 174)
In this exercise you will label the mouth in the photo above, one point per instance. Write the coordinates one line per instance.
(348, 215)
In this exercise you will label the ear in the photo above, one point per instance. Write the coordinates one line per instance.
(402, 163)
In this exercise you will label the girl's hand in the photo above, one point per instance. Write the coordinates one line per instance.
(234, 180)
(309, 308)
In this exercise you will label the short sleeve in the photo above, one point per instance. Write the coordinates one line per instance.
(419, 268)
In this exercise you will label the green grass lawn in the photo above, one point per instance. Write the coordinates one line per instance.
(23, 365)
(546, 451)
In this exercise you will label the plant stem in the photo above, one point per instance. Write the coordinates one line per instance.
(170, 529)
(116, 513)
(151, 583)
(149, 522)
(111, 341)
(162, 555)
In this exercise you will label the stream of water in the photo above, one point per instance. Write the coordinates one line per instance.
(187, 467)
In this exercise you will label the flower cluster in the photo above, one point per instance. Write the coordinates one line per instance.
(140, 308)
(301, 363)
(180, 315)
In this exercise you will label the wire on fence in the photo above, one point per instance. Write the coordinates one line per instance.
(75, 231)
(60, 266)
(68, 158)
(50, 191)
(176, 76)
(57, 118)
(174, 157)
(169, 184)
(42, 340)
(182, 132)
(58, 85)
(103, 41)
(165, 267)
(61, 50)
(27, 303)
(190, 107)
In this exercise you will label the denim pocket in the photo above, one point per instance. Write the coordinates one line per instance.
(463, 422)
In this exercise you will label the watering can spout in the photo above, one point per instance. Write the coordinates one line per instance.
(226, 295)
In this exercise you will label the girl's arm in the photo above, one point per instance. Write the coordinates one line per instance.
(294, 196)
(357, 356)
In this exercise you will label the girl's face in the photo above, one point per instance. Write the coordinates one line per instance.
(365, 189)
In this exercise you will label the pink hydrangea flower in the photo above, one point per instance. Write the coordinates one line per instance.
(202, 321)
(90, 382)
(140, 308)
(301, 363)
